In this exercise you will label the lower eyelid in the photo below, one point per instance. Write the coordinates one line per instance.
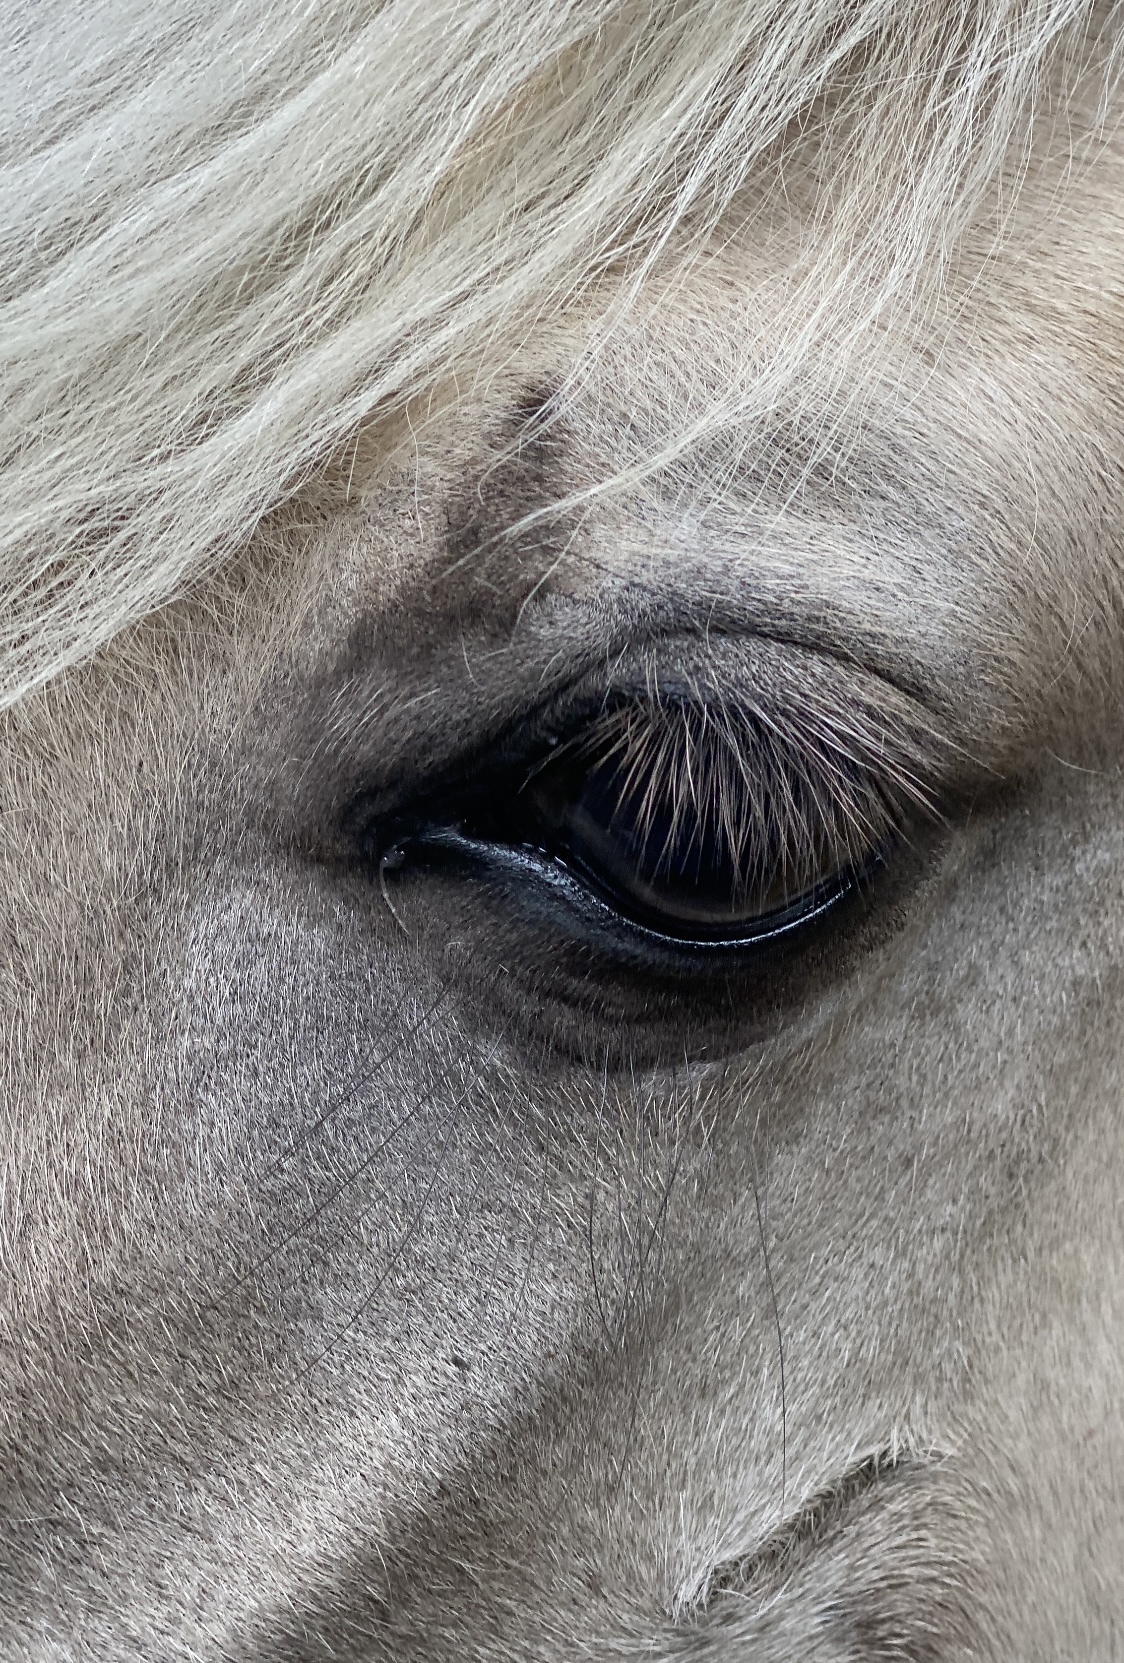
(447, 845)
(577, 976)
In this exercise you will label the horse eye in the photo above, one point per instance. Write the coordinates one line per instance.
(703, 830)
(705, 824)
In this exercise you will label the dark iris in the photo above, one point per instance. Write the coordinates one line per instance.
(703, 865)
(702, 825)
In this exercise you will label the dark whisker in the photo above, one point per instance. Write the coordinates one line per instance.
(421, 1101)
(411, 1229)
(359, 1080)
(592, 1249)
(762, 1232)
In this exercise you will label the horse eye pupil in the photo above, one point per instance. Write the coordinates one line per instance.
(669, 856)
(665, 847)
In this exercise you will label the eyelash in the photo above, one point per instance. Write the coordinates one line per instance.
(781, 812)
(766, 801)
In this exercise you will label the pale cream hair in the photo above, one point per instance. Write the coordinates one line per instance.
(234, 230)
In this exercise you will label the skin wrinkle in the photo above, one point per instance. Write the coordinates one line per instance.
(414, 1294)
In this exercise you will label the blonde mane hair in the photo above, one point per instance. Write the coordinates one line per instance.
(232, 233)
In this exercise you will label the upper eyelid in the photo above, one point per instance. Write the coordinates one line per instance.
(912, 773)
(488, 827)
(782, 680)
(860, 698)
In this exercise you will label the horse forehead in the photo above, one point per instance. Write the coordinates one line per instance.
(964, 449)
(954, 526)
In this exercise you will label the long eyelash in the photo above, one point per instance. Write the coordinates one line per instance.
(783, 796)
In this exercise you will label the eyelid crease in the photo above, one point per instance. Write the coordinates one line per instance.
(780, 698)
(805, 704)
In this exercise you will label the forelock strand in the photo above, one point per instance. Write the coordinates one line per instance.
(232, 231)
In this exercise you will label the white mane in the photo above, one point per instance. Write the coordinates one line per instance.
(232, 232)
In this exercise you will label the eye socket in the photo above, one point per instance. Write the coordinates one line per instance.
(704, 824)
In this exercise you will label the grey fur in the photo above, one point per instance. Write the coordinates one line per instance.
(391, 1287)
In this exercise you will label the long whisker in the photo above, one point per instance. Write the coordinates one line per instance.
(762, 1231)
(421, 1101)
(358, 1081)
(535, 1233)
(500, 1234)
(411, 1228)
